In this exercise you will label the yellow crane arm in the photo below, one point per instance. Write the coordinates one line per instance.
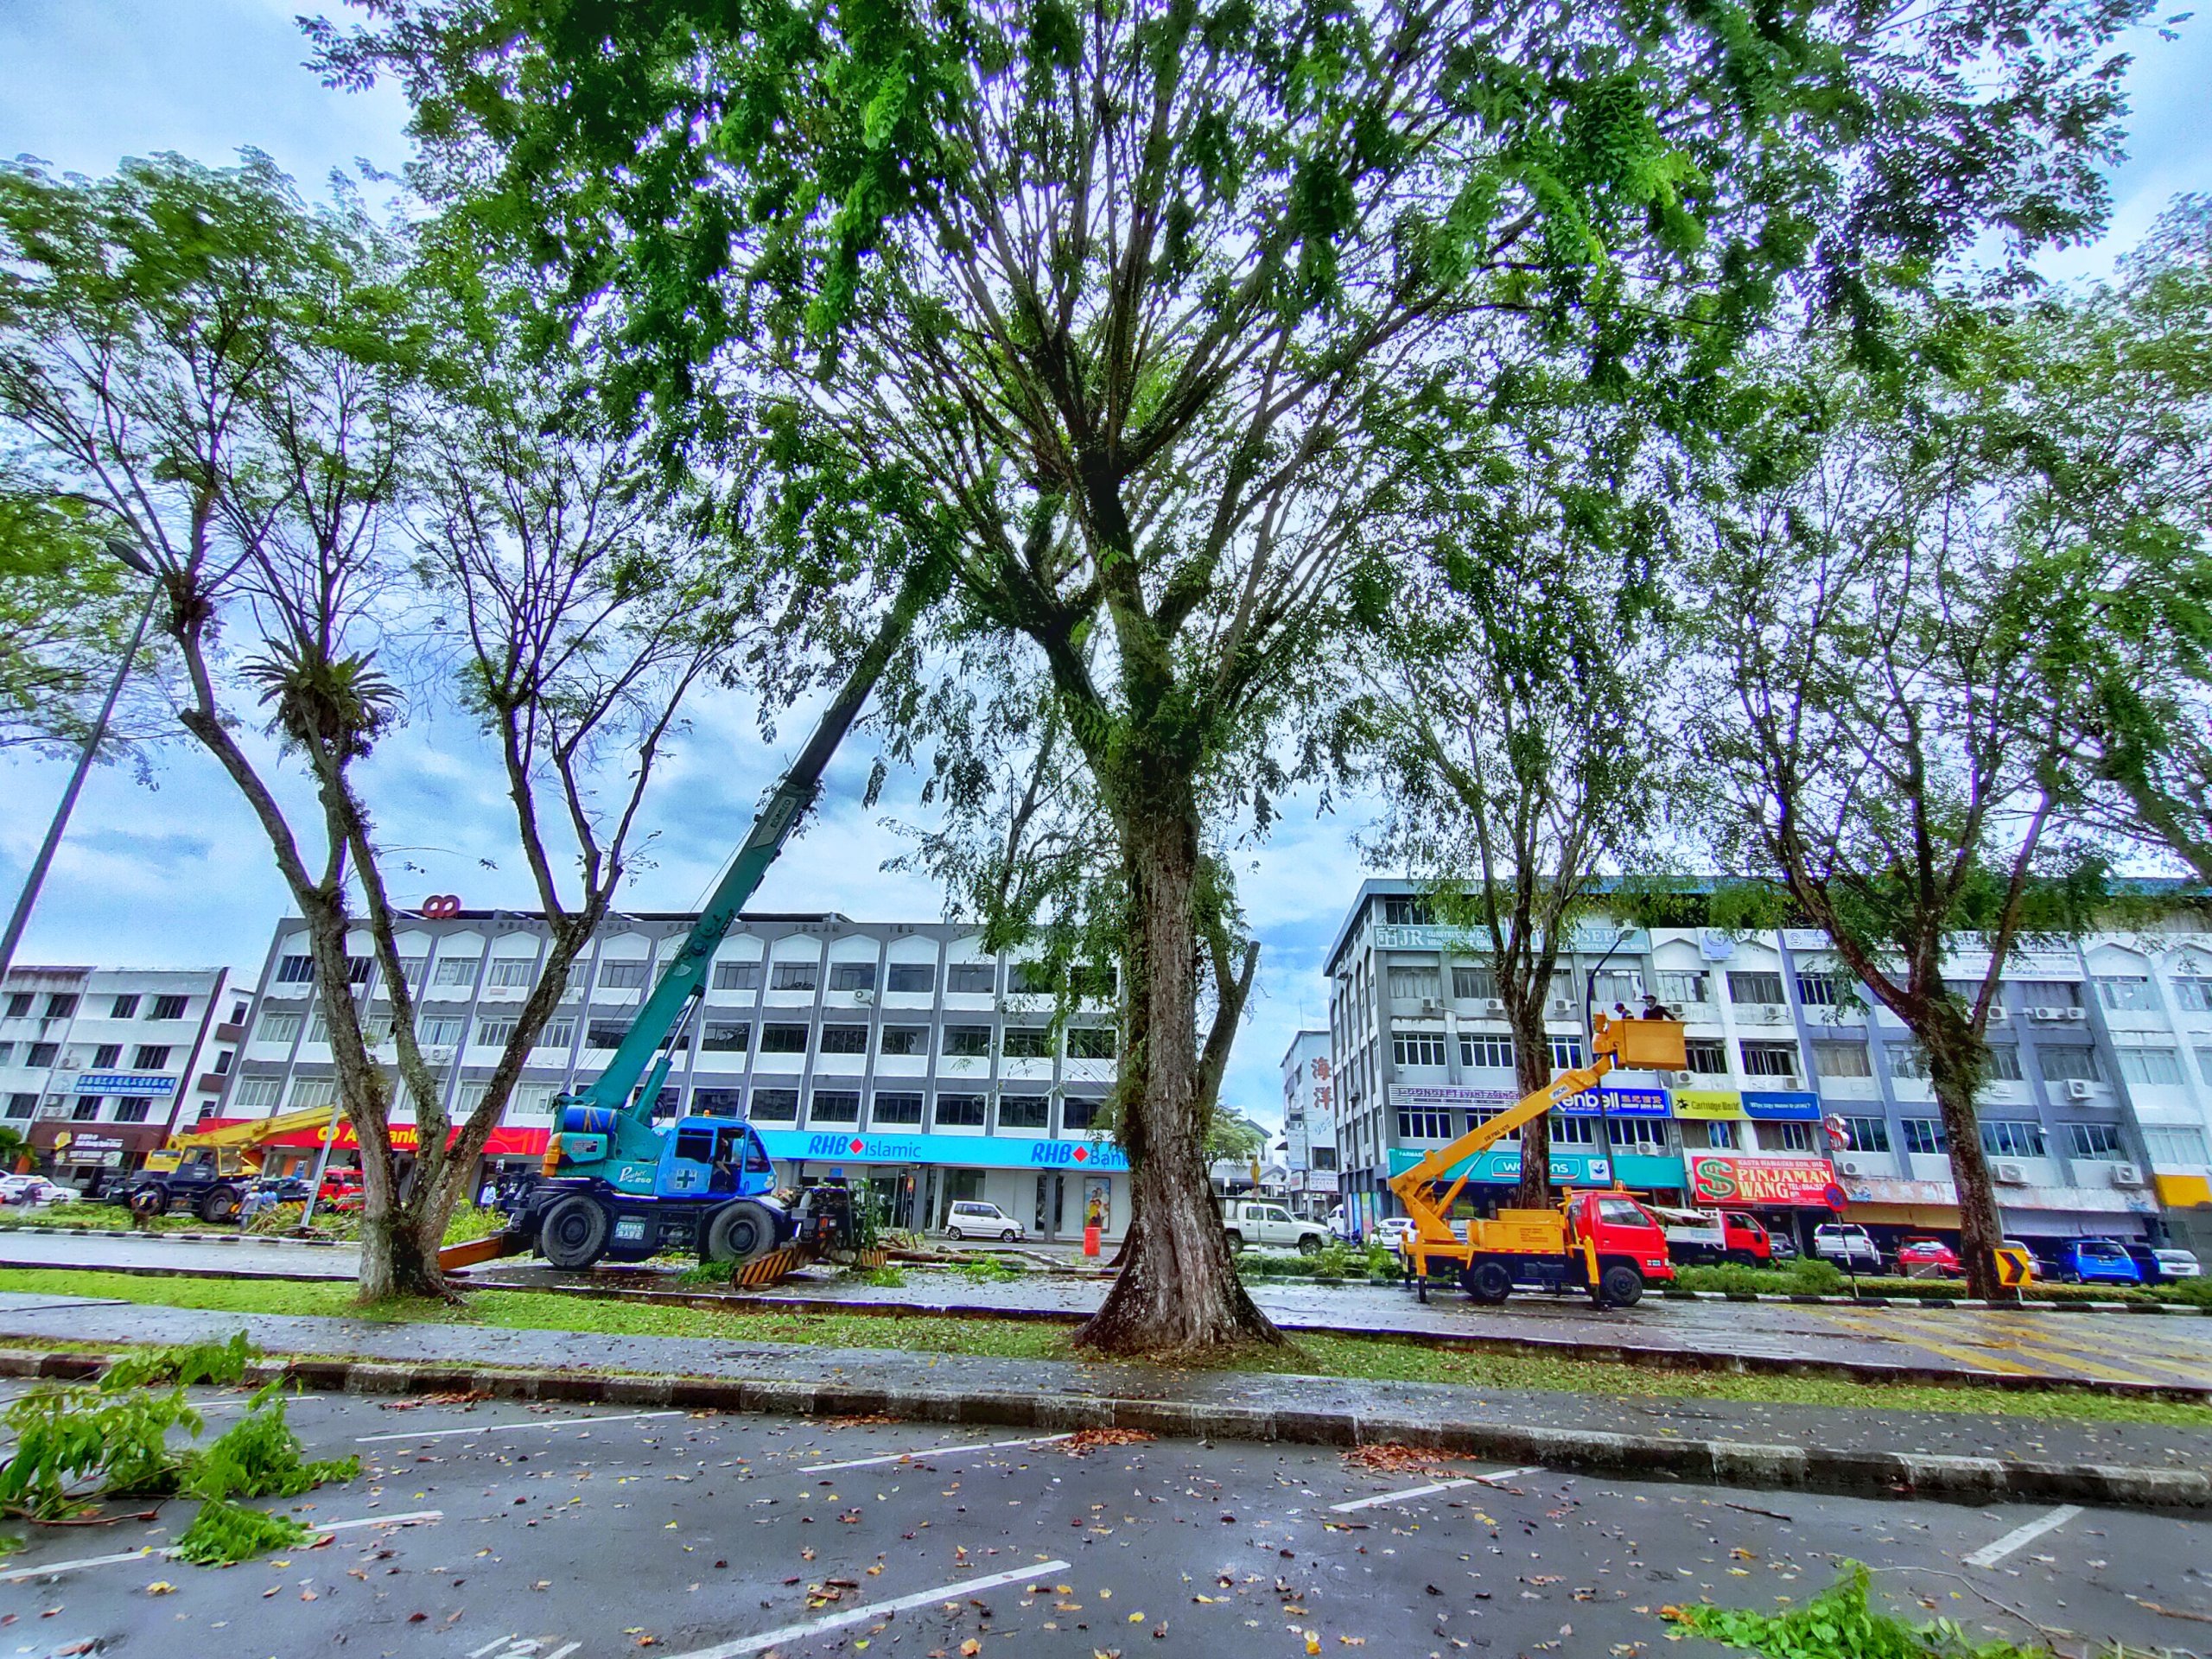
(254, 1132)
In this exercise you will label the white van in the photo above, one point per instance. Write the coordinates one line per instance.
(972, 1219)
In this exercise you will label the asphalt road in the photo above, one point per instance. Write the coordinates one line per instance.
(503, 1531)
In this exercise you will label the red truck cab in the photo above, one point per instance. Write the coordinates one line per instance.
(1623, 1238)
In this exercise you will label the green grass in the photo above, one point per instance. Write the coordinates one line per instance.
(1368, 1358)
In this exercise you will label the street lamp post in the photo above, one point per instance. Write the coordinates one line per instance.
(21, 918)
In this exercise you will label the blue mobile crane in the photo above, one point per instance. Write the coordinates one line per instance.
(617, 1188)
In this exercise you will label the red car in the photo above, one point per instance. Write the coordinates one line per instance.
(1926, 1255)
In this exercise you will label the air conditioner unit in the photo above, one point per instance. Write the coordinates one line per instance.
(2077, 1014)
(1997, 1015)
(2126, 1175)
(862, 996)
(1683, 1079)
(1851, 1166)
(2046, 1015)
(2011, 1174)
(2080, 1088)
(1495, 1006)
(1563, 1005)
(1431, 1005)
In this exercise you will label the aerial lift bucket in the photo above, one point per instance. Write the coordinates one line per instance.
(1641, 1045)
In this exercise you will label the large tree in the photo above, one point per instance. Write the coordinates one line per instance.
(321, 458)
(1115, 306)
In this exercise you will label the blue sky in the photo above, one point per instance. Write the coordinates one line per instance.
(174, 873)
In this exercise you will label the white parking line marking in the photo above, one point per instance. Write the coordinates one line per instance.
(955, 1591)
(495, 1428)
(1989, 1555)
(53, 1569)
(1496, 1478)
(926, 1451)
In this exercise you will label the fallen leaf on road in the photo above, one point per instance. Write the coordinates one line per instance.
(970, 1648)
(161, 1587)
(1089, 1439)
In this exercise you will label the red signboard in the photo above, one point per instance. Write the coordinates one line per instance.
(1718, 1178)
(504, 1142)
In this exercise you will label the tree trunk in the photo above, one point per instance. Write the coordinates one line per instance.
(1955, 1070)
(1177, 1291)
(1532, 1070)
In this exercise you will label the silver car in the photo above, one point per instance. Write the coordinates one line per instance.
(972, 1219)
(2176, 1264)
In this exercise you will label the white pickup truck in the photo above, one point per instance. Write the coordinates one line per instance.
(1251, 1222)
(1711, 1236)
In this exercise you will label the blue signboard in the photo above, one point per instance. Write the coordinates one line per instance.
(1782, 1107)
(989, 1152)
(1616, 1102)
(1501, 1166)
(123, 1083)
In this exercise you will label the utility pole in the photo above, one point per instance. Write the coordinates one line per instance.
(21, 918)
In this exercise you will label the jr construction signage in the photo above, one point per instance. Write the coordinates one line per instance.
(1718, 1177)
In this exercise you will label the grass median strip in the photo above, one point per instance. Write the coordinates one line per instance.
(1366, 1358)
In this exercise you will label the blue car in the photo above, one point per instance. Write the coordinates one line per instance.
(2098, 1261)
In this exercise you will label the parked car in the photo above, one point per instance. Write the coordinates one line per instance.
(1780, 1248)
(1706, 1236)
(2097, 1262)
(1847, 1245)
(1339, 1224)
(1925, 1258)
(972, 1219)
(2177, 1263)
(1251, 1221)
(34, 1189)
(1391, 1230)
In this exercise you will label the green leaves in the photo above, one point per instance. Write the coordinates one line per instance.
(1840, 1624)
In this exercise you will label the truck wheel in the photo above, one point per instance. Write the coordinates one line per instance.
(1620, 1285)
(738, 1232)
(1487, 1282)
(573, 1232)
(221, 1204)
(1236, 1239)
(1741, 1258)
(148, 1201)
(1308, 1245)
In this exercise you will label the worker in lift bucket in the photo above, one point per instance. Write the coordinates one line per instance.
(1654, 1008)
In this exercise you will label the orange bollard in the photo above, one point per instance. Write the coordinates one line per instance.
(1090, 1241)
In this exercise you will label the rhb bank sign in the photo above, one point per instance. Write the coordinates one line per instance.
(970, 1150)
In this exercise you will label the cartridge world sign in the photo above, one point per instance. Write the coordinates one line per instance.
(963, 1151)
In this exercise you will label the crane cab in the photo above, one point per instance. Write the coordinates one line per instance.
(713, 1158)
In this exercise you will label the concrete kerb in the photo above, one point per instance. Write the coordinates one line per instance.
(1740, 1464)
(7, 1226)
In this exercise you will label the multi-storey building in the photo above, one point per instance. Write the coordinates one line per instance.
(98, 1064)
(1798, 1091)
(1309, 1123)
(900, 1054)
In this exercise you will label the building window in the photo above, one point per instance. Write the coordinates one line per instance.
(1866, 1134)
(604, 1033)
(1637, 1134)
(168, 1008)
(1567, 1053)
(536, 1100)
(1678, 987)
(912, 978)
(1027, 979)
(1416, 984)
(1486, 1053)
(782, 1039)
(558, 1033)
(852, 976)
(131, 1109)
(1754, 988)
(1023, 1111)
(22, 1105)
(737, 975)
(1025, 1043)
(60, 1005)
(439, 1030)
(1418, 1048)
(223, 1059)
(1769, 1060)
(968, 1042)
(2172, 1144)
(906, 1039)
(844, 1040)
(2005, 1062)
(19, 1004)
(1908, 1059)
(462, 972)
(775, 1105)
(315, 1092)
(2002, 1139)
(1822, 990)
(2128, 992)
(43, 1054)
(1786, 1137)
(358, 969)
(836, 1106)
(1720, 1135)
(513, 973)
(960, 1111)
(255, 1094)
(126, 1008)
(613, 975)
(2192, 996)
(1424, 1126)
(296, 970)
(7, 1053)
(726, 1037)
(2099, 1142)
(1408, 910)
(1091, 1042)
(1079, 1114)
(150, 1057)
(107, 1056)
(1706, 1055)
(495, 1033)
(411, 970)
(2151, 1065)
(86, 1108)
(972, 978)
(1925, 1135)
(1474, 985)
(2050, 993)
(2068, 1064)
(795, 976)
(1573, 1131)
(898, 1108)
(1834, 1059)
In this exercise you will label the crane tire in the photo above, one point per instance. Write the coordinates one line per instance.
(739, 1233)
(148, 1201)
(220, 1204)
(1488, 1283)
(572, 1231)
